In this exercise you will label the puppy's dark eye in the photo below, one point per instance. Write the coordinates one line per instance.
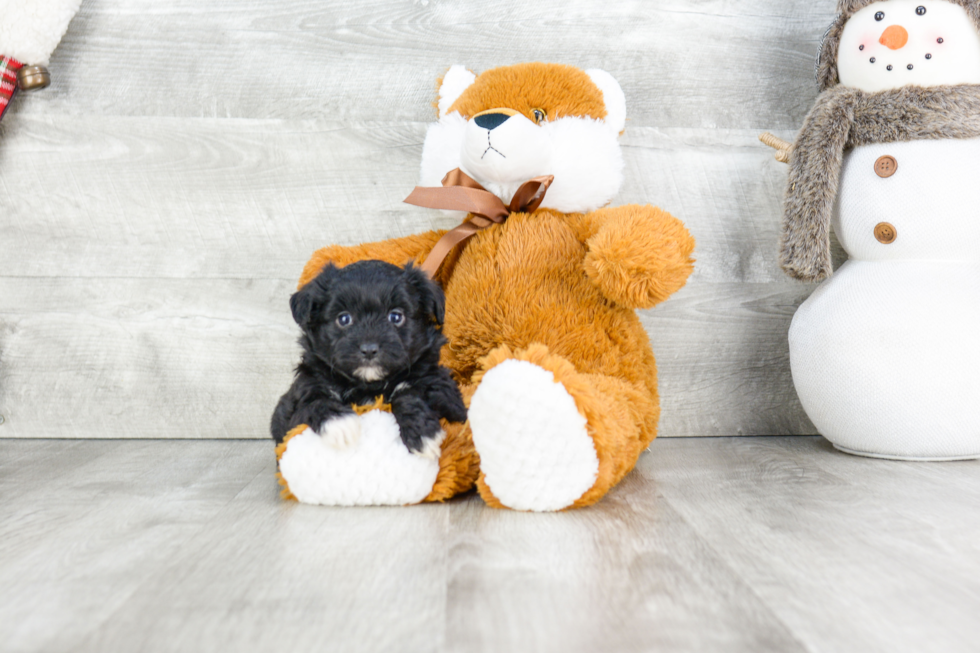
(344, 320)
(396, 317)
(539, 115)
(880, 15)
(920, 10)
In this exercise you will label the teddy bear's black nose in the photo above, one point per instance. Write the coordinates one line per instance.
(490, 121)
(369, 350)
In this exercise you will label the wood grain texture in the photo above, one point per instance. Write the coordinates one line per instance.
(189, 157)
(152, 197)
(682, 63)
(209, 358)
(717, 544)
(848, 554)
(141, 358)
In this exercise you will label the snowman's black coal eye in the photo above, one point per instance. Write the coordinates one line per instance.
(939, 40)
(920, 10)
(880, 15)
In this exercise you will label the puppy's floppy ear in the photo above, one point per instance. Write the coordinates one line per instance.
(302, 302)
(431, 298)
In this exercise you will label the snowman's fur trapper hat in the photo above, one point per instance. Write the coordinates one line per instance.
(826, 69)
(845, 117)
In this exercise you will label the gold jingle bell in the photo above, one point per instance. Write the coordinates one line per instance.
(33, 78)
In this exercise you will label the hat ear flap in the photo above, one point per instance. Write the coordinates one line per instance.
(612, 95)
(825, 66)
(456, 80)
(850, 6)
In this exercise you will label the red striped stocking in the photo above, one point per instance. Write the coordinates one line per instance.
(8, 81)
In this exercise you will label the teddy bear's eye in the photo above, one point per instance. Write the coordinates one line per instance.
(880, 15)
(396, 317)
(920, 10)
(344, 320)
(539, 115)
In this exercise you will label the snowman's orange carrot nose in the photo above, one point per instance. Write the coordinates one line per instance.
(895, 37)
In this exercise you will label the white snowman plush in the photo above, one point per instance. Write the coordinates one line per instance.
(885, 354)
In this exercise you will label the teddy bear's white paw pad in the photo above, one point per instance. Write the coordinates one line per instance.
(376, 469)
(535, 449)
(341, 432)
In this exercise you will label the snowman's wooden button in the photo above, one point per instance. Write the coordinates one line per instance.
(885, 233)
(886, 166)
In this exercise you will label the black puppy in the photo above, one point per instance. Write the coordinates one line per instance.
(370, 329)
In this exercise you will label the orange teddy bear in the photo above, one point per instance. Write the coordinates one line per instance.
(544, 341)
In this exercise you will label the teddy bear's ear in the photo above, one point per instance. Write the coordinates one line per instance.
(456, 80)
(613, 96)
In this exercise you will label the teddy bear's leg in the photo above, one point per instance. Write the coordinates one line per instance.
(459, 464)
(549, 437)
(377, 469)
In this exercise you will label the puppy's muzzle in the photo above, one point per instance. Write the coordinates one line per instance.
(370, 351)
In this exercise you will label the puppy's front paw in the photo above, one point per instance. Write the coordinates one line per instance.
(341, 432)
(431, 447)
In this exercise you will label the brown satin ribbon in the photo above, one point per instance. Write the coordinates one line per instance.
(460, 192)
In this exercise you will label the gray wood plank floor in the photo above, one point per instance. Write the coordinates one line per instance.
(719, 544)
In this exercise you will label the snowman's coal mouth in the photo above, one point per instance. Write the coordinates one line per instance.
(909, 66)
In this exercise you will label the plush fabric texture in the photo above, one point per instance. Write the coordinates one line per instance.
(585, 160)
(521, 412)
(826, 66)
(315, 473)
(544, 339)
(845, 118)
(576, 143)
(563, 90)
(450, 86)
(31, 30)
(884, 354)
(560, 290)
(884, 357)
(931, 201)
(376, 470)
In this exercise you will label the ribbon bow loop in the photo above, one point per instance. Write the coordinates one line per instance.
(460, 192)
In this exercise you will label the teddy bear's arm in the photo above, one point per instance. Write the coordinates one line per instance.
(397, 251)
(638, 256)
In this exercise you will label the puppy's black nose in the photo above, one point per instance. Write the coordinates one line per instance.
(490, 121)
(369, 350)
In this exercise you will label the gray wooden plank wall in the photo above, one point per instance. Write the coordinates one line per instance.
(158, 201)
